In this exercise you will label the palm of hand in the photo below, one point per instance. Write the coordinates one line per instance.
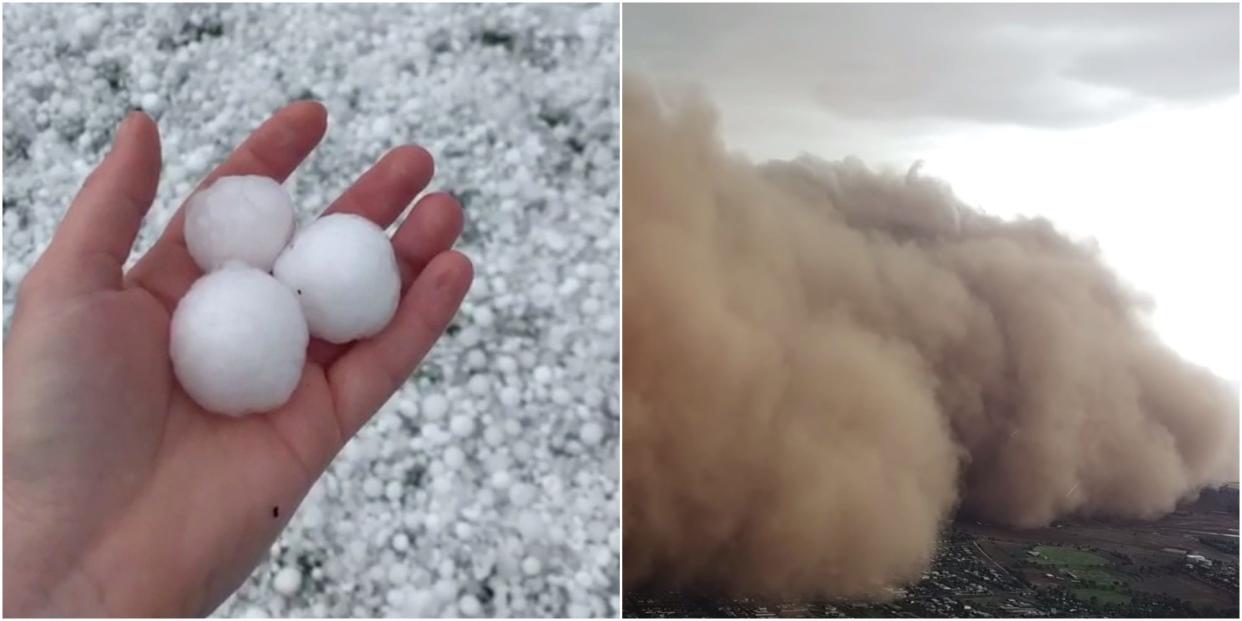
(123, 496)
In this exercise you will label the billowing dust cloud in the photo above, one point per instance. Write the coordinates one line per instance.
(823, 364)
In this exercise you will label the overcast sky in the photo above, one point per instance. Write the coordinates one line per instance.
(1119, 122)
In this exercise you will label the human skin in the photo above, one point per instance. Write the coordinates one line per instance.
(122, 497)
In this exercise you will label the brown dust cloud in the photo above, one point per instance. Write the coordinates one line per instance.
(823, 365)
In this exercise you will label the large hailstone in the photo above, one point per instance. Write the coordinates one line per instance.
(247, 219)
(238, 341)
(343, 270)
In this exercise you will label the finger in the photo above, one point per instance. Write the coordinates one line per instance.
(384, 191)
(92, 242)
(431, 228)
(368, 373)
(274, 150)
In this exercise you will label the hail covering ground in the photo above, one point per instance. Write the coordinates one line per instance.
(488, 484)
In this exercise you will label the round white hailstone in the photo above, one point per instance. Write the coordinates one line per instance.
(419, 603)
(238, 342)
(468, 337)
(87, 28)
(401, 542)
(592, 396)
(394, 598)
(543, 375)
(479, 385)
(470, 606)
(372, 487)
(454, 457)
(344, 271)
(445, 590)
(393, 490)
(398, 573)
(433, 433)
(246, 218)
(591, 433)
(521, 494)
(407, 408)
(531, 566)
(530, 525)
(411, 520)
(14, 272)
(462, 425)
(287, 581)
(357, 549)
(510, 396)
(435, 406)
(483, 316)
(381, 127)
(501, 479)
(254, 612)
(493, 436)
(443, 485)
(150, 102)
(584, 580)
(148, 81)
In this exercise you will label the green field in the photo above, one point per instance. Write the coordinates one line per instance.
(1101, 596)
(1068, 557)
(1086, 566)
(1100, 575)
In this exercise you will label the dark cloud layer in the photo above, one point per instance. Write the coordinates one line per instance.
(823, 363)
(1036, 65)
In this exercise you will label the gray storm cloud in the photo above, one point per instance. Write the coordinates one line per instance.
(823, 364)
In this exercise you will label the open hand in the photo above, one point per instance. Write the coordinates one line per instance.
(121, 495)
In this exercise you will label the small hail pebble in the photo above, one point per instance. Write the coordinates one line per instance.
(500, 479)
(591, 433)
(254, 612)
(510, 396)
(521, 494)
(543, 375)
(372, 487)
(344, 271)
(287, 581)
(401, 543)
(462, 425)
(435, 406)
(469, 606)
(246, 218)
(238, 342)
(454, 457)
(393, 490)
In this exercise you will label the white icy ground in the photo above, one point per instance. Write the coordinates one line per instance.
(489, 484)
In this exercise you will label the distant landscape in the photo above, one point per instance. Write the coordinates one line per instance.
(1184, 565)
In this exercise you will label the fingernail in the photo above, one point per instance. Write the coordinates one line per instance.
(129, 116)
(120, 128)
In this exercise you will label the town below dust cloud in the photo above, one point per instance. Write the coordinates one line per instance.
(824, 364)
